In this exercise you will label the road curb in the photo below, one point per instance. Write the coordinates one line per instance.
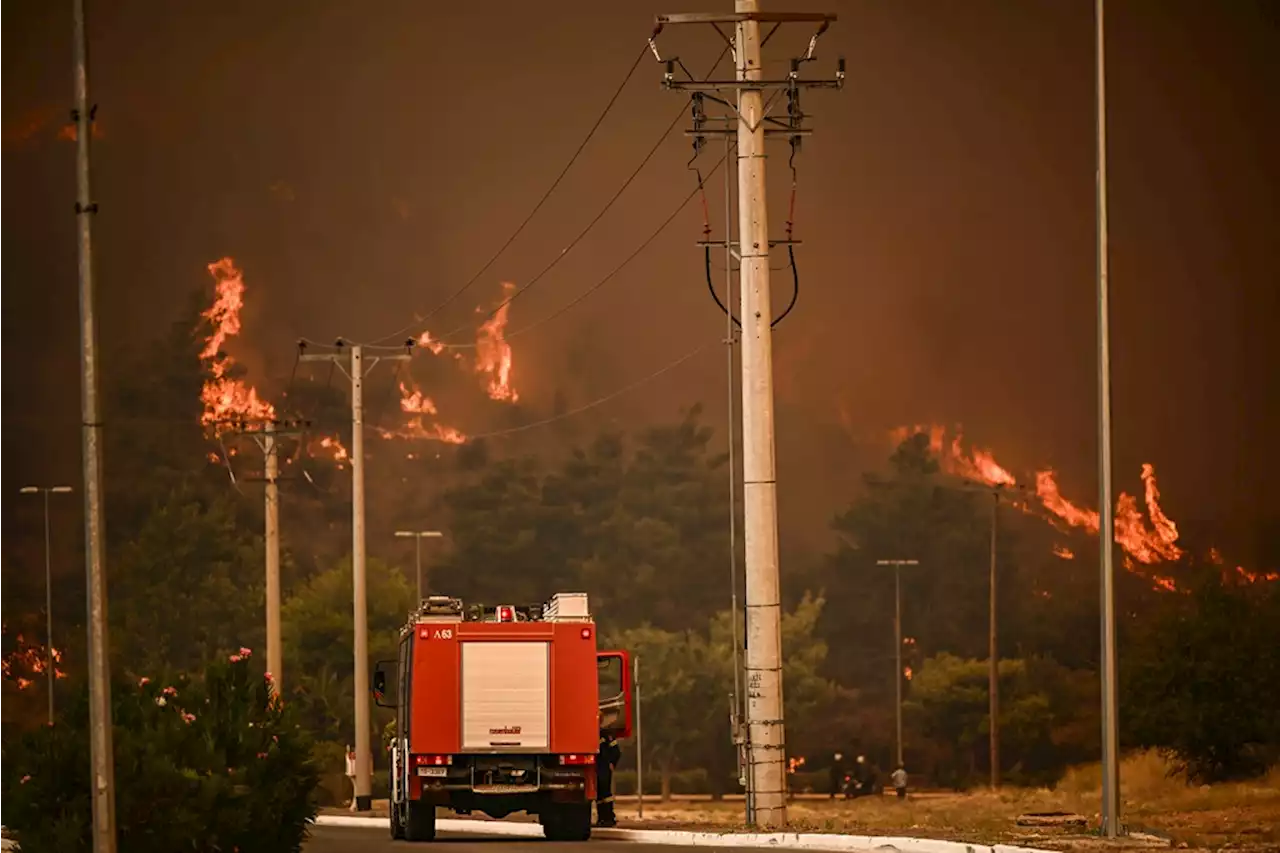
(486, 827)
(680, 838)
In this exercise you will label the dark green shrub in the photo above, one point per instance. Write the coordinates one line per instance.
(210, 765)
(1200, 682)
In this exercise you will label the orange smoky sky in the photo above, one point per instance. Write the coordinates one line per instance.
(945, 205)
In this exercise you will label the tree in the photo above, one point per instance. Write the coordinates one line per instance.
(502, 549)
(157, 444)
(675, 712)
(944, 599)
(1040, 702)
(688, 679)
(667, 525)
(1201, 681)
(634, 524)
(319, 641)
(189, 586)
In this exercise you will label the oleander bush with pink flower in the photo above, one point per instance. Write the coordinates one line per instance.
(213, 763)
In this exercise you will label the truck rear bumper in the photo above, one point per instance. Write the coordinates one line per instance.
(464, 790)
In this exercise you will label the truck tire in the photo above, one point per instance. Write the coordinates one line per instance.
(570, 822)
(419, 821)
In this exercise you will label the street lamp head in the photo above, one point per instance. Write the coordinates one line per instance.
(404, 533)
(61, 490)
(432, 534)
(29, 490)
(419, 534)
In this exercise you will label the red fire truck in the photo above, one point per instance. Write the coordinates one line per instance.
(500, 710)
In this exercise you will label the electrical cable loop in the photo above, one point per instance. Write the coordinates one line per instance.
(795, 287)
(793, 109)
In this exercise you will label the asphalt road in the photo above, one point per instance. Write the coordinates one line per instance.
(342, 839)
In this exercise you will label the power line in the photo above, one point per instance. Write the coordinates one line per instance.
(600, 401)
(567, 248)
(520, 229)
(667, 368)
(608, 276)
(600, 215)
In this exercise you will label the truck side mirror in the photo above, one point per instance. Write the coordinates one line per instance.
(379, 687)
(613, 670)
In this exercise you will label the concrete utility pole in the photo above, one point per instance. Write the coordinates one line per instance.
(48, 583)
(102, 761)
(267, 437)
(766, 748)
(897, 647)
(1106, 532)
(355, 370)
(736, 726)
(418, 536)
(271, 515)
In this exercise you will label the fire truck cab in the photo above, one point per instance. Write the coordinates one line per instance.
(499, 709)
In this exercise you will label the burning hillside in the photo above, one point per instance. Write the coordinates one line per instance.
(493, 360)
(228, 400)
(1147, 540)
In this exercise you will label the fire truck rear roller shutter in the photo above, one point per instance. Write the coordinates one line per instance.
(505, 696)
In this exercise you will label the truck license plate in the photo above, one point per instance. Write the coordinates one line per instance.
(432, 771)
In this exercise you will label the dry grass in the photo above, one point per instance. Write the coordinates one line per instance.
(1244, 816)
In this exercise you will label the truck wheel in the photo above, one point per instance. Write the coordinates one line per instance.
(420, 821)
(567, 822)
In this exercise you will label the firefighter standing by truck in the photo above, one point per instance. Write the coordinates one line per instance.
(606, 761)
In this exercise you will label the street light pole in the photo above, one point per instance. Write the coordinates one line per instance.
(418, 536)
(48, 583)
(897, 645)
(1106, 534)
(101, 752)
(993, 657)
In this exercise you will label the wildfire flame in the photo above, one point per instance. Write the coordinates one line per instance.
(416, 429)
(493, 353)
(1254, 577)
(415, 402)
(493, 359)
(226, 398)
(333, 448)
(30, 659)
(1063, 552)
(418, 404)
(427, 342)
(1147, 544)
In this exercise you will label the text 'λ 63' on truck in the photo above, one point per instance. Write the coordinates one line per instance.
(501, 709)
